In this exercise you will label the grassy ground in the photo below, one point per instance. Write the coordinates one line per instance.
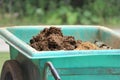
(6, 22)
(3, 57)
(13, 22)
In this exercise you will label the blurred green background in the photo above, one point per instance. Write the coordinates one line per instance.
(37, 12)
(3, 57)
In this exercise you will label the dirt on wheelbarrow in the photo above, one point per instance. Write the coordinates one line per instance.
(51, 39)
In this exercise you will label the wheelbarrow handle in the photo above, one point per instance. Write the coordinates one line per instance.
(53, 71)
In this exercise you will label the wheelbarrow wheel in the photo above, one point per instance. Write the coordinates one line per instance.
(11, 71)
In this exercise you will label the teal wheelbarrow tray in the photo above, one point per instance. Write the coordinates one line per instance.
(28, 64)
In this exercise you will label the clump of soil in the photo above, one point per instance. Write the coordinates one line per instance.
(101, 45)
(97, 45)
(52, 39)
(86, 46)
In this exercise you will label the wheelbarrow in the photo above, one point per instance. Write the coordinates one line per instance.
(27, 63)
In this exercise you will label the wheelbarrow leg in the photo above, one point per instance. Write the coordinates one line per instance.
(53, 71)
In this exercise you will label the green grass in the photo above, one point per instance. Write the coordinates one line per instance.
(5, 22)
(3, 57)
(13, 22)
